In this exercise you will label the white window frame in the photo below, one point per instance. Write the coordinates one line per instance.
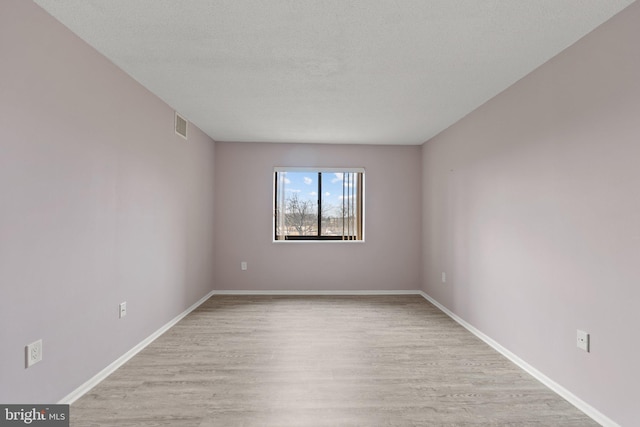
(280, 169)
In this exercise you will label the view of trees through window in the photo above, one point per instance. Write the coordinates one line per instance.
(318, 205)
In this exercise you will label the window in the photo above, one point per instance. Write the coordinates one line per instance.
(318, 204)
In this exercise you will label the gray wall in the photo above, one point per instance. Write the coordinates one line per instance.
(531, 205)
(389, 259)
(100, 203)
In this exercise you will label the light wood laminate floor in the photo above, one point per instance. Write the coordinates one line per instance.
(321, 361)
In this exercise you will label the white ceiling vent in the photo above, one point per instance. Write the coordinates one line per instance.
(181, 126)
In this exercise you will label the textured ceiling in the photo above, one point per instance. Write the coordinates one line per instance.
(334, 71)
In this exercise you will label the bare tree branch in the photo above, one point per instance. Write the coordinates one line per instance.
(301, 215)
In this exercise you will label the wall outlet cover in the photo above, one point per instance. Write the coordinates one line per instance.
(33, 353)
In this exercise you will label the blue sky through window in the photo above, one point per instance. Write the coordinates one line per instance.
(305, 185)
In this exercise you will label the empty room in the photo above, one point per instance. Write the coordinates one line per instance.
(319, 213)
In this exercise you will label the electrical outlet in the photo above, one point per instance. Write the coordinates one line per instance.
(583, 340)
(33, 353)
(123, 309)
(243, 266)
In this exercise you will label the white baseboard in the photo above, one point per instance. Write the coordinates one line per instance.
(589, 410)
(302, 292)
(96, 379)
